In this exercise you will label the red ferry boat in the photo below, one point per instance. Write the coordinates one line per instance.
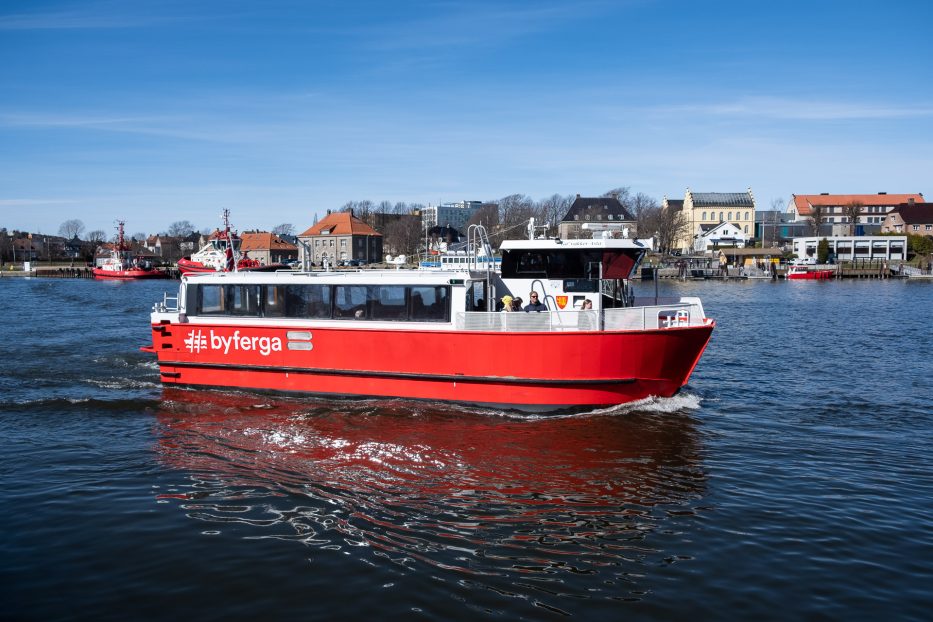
(437, 334)
(222, 254)
(123, 265)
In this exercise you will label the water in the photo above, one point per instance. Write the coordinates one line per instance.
(791, 479)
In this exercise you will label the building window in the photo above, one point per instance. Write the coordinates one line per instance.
(720, 217)
(730, 215)
(929, 227)
(746, 215)
(746, 229)
(704, 216)
(916, 227)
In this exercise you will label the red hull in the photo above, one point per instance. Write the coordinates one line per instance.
(810, 275)
(129, 274)
(533, 370)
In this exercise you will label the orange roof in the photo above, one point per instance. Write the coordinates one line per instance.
(341, 223)
(264, 241)
(803, 202)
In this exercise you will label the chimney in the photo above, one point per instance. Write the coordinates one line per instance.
(910, 200)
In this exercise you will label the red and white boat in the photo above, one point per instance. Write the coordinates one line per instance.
(122, 264)
(799, 272)
(436, 334)
(222, 254)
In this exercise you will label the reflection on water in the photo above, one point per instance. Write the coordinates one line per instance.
(568, 505)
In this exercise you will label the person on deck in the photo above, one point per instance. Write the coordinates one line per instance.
(534, 304)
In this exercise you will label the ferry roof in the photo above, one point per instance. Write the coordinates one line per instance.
(557, 244)
(361, 277)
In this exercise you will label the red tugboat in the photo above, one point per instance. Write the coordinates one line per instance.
(438, 334)
(222, 254)
(123, 265)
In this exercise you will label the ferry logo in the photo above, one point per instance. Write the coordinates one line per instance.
(561, 301)
(198, 341)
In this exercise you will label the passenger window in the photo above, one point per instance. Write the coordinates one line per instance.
(273, 303)
(430, 303)
(308, 301)
(387, 302)
(350, 302)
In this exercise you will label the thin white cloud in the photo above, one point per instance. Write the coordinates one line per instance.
(804, 110)
(35, 202)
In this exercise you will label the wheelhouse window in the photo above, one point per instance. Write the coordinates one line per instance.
(211, 300)
(243, 299)
(570, 264)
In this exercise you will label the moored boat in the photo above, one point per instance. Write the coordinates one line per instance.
(438, 335)
(222, 254)
(124, 265)
(800, 272)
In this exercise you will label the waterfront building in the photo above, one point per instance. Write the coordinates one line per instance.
(340, 236)
(704, 211)
(721, 235)
(912, 218)
(454, 215)
(267, 248)
(602, 210)
(833, 207)
(853, 247)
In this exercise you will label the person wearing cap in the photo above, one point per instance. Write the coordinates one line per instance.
(534, 304)
(506, 303)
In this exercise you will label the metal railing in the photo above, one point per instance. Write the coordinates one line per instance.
(681, 314)
(169, 304)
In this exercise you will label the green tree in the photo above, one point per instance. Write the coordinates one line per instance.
(822, 251)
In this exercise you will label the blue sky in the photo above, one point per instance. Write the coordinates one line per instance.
(158, 111)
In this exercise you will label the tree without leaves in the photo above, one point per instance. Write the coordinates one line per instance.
(180, 229)
(621, 194)
(669, 225)
(96, 236)
(852, 211)
(71, 228)
(552, 210)
(514, 211)
(284, 229)
(647, 213)
(816, 219)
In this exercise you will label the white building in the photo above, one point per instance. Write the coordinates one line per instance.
(849, 248)
(455, 215)
(722, 235)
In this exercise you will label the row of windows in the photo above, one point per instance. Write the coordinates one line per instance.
(422, 303)
(598, 217)
(738, 216)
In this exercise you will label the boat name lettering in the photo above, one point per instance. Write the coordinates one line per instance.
(198, 341)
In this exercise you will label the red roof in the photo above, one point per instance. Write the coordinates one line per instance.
(803, 202)
(341, 223)
(264, 241)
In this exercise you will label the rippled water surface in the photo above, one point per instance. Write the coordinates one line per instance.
(793, 478)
